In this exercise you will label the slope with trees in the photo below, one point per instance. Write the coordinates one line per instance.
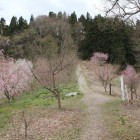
(109, 35)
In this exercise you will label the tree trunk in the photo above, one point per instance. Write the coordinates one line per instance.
(110, 89)
(135, 92)
(26, 129)
(12, 97)
(58, 98)
(59, 101)
(25, 125)
(131, 91)
(105, 87)
(6, 92)
(131, 95)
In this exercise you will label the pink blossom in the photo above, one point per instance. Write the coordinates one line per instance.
(131, 77)
(100, 56)
(14, 77)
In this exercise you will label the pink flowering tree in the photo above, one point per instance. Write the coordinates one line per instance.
(100, 56)
(131, 79)
(14, 76)
(103, 71)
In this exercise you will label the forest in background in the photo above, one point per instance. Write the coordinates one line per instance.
(86, 34)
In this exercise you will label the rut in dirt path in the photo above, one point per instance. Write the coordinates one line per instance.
(96, 128)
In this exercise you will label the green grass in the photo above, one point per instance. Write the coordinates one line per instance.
(38, 98)
(117, 121)
(67, 89)
(41, 103)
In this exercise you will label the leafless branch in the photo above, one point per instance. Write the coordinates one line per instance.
(125, 9)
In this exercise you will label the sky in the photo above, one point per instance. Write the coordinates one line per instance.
(25, 8)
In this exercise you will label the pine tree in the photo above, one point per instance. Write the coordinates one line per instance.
(13, 25)
(52, 14)
(2, 25)
(59, 15)
(22, 24)
(73, 18)
(82, 19)
(31, 19)
(108, 35)
(88, 17)
(136, 39)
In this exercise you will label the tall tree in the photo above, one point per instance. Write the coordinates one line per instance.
(31, 18)
(109, 35)
(22, 24)
(52, 14)
(82, 18)
(136, 39)
(13, 25)
(59, 15)
(2, 25)
(73, 18)
(88, 17)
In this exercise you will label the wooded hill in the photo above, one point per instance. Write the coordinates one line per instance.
(85, 34)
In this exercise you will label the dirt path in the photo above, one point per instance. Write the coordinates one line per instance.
(96, 129)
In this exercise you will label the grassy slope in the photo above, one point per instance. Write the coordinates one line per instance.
(44, 100)
(39, 98)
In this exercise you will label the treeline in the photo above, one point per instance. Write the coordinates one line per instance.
(85, 34)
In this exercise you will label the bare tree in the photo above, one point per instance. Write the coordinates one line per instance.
(54, 55)
(21, 124)
(124, 8)
(103, 71)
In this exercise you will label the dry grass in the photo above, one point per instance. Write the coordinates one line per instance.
(123, 119)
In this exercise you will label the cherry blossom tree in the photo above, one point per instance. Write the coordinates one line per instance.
(100, 56)
(131, 79)
(104, 72)
(14, 76)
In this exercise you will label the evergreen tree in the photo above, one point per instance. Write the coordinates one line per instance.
(31, 19)
(108, 35)
(73, 18)
(6, 31)
(13, 25)
(2, 25)
(22, 24)
(88, 17)
(82, 19)
(136, 39)
(52, 15)
(59, 15)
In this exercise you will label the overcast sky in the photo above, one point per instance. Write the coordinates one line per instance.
(25, 8)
